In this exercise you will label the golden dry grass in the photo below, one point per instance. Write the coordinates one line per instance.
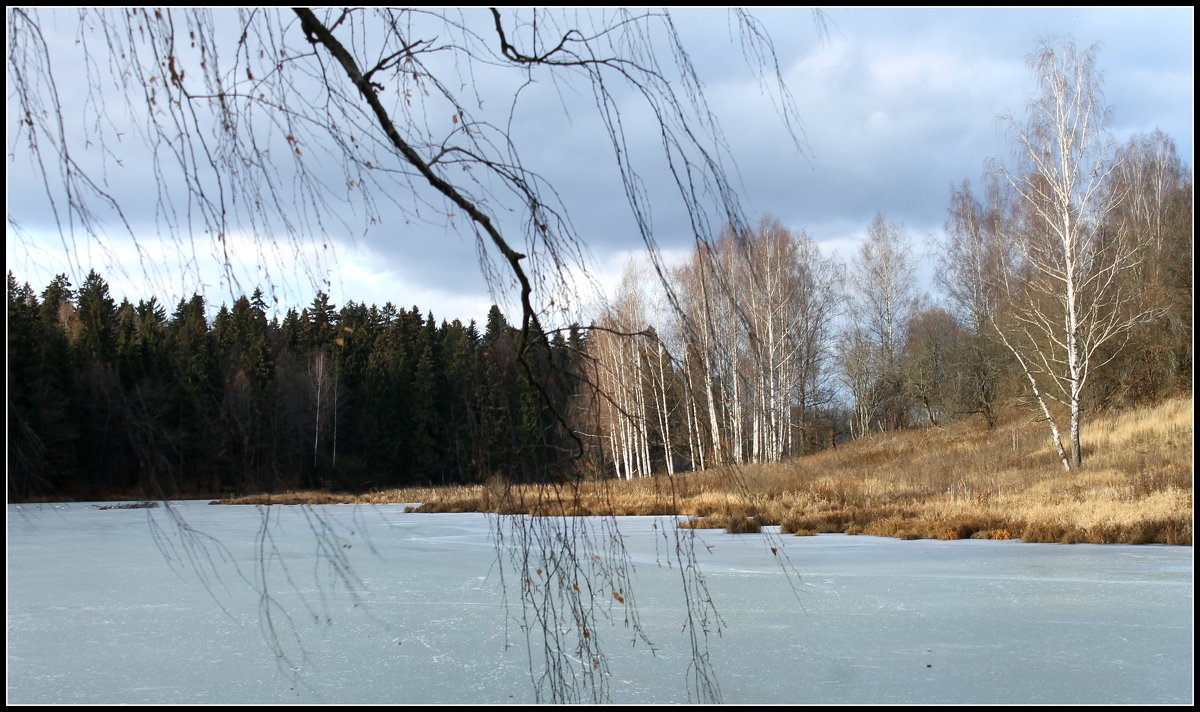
(963, 481)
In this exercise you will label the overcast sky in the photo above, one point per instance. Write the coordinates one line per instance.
(896, 105)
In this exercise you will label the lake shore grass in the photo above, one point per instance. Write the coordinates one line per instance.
(956, 482)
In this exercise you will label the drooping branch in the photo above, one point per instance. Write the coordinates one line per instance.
(318, 33)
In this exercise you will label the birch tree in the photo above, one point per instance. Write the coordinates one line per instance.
(620, 376)
(321, 376)
(754, 331)
(663, 378)
(1064, 298)
(770, 275)
(817, 306)
(699, 326)
(789, 302)
(881, 298)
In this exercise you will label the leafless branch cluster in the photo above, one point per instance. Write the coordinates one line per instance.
(272, 131)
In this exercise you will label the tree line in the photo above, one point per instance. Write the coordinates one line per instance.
(107, 397)
(755, 349)
(760, 348)
(1065, 284)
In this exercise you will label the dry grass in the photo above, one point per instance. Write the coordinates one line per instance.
(732, 523)
(958, 482)
(145, 504)
(395, 496)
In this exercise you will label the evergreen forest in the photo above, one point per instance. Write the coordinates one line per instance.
(108, 398)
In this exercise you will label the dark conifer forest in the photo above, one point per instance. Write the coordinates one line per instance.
(108, 399)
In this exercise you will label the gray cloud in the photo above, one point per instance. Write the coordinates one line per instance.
(897, 105)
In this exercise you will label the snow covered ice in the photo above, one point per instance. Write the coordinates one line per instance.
(122, 606)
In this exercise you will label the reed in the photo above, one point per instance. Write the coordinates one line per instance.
(957, 482)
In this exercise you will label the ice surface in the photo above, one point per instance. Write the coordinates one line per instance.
(124, 606)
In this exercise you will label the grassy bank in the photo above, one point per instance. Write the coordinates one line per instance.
(944, 483)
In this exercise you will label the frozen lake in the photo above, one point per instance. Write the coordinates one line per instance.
(116, 606)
